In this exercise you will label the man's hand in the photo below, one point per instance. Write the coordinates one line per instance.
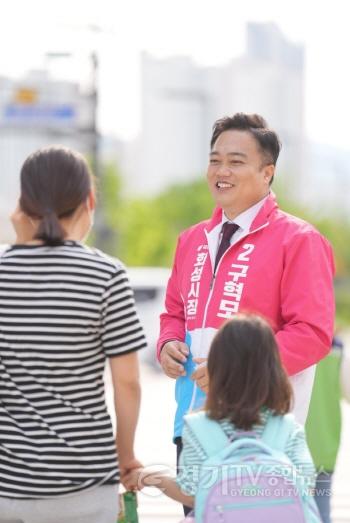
(200, 375)
(173, 355)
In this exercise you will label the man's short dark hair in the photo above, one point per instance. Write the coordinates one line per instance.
(256, 125)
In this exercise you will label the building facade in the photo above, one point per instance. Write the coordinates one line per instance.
(181, 101)
(35, 112)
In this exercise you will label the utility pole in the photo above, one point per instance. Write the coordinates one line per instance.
(103, 234)
(94, 129)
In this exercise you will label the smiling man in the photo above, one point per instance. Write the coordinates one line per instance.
(250, 256)
(240, 171)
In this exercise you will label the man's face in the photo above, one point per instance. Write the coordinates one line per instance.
(237, 175)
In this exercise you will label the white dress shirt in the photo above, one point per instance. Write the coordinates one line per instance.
(244, 220)
(303, 381)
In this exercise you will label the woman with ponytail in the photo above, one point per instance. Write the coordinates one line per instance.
(65, 310)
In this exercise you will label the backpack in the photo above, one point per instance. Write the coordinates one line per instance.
(249, 479)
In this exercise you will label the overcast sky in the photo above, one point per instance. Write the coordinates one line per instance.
(212, 32)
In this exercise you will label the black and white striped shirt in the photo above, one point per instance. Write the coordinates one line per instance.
(63, 310)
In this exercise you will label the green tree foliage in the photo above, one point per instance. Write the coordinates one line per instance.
(146, 229)
(149, 227)
(337, 231)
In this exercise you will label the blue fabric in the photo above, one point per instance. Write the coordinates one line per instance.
(323, 493)
(185, 389)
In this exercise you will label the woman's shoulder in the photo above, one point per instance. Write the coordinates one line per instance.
(3, 248)
(110, 261)
(71, 256)
(100, 259)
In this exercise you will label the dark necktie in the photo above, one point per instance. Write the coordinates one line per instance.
(228, 229)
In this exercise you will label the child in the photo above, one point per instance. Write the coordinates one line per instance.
(247, 385)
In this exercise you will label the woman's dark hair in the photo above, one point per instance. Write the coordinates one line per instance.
(54, 182)
(245, 373)
(256, 125)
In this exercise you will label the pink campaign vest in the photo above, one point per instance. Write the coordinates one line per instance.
(282, 269)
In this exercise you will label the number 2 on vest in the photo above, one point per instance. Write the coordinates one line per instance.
(248, 248)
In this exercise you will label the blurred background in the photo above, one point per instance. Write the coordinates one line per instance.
(136, 87)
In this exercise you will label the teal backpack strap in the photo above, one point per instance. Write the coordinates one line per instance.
(208, 433)
(277, 431)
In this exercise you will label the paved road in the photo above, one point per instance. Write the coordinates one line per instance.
(341, 499)
(154, 442)
(154, 447)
